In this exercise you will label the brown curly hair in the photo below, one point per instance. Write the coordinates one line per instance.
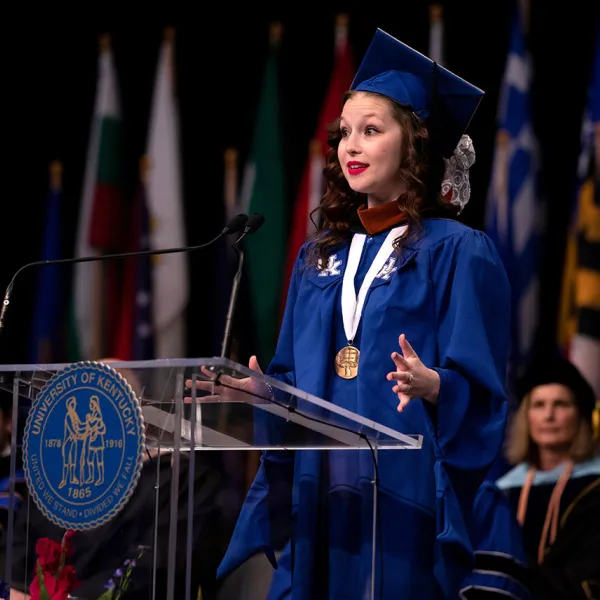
(421, 168)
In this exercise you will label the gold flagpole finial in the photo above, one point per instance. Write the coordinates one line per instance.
(145, 166)
(342, 21)
(104, 42)
(56, 171)
(230, 183)
(231, 156)
(436, 12)
(315, 148)
(503, 137)
(275, 33)
(169, 34)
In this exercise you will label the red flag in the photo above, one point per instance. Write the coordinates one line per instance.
(312, 185)
(134, 335)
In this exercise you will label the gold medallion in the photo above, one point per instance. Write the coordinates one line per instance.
(346, 362)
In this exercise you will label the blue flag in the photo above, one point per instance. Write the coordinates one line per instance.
(47, 341)
(515, 215)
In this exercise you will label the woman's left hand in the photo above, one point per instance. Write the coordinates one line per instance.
(414, 379)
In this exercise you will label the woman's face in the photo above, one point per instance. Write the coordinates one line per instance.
(553, 416)
(370, 148)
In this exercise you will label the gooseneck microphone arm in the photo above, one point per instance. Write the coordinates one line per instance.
(255, 221)
(235, 225)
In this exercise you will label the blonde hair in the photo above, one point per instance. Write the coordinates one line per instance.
(521, 448)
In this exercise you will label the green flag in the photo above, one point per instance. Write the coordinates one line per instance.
(264, 192)
(96, 290)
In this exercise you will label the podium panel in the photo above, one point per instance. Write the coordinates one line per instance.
(150, 461)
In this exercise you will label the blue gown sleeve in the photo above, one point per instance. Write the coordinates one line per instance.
(500, 561)
(472, 296)
(264, 523)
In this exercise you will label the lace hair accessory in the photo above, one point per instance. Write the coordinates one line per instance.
(456, 185)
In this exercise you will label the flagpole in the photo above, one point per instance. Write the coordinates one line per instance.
(525, 6)
(436, 33)
(342, 22)
(231, 158)
(500, 180)
(99, 337)
(45, 349)
(230, 185)
(315, 191)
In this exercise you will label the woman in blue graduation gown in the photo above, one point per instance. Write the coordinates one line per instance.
(400, 314)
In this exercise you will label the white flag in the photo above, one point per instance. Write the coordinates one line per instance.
(165, 203)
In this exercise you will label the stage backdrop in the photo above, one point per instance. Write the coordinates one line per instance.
(49, 76)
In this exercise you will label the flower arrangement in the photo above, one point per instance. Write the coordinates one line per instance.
(55, 579)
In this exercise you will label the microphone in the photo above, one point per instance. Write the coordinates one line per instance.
(236, 224)
(254, 222)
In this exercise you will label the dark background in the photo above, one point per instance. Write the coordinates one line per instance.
(49, 91)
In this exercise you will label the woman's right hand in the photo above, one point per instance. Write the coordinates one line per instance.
(232, 389)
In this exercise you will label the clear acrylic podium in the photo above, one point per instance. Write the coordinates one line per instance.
(227, 411)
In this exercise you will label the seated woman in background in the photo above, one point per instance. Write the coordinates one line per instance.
(555, 486)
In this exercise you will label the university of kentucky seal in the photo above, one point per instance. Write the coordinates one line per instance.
(83, 446)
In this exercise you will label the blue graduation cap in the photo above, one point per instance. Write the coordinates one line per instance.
(395, 70)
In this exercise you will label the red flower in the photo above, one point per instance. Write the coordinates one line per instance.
(57, 588)
(58, 578)
(67, 544)
(49, 553)
(34, 589)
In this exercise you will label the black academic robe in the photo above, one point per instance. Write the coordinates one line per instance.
(571, 567)
(20, 495)
(99, 552)
(20, 489)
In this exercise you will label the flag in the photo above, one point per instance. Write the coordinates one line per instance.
(579, 319)
(312, 185)
(96, 286)
(170, 287)
(514, 214)
(47, 324)
(135, 339)
(263, 191)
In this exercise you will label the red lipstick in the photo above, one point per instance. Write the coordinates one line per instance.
(355, 167)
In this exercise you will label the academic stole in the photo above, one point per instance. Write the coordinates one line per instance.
(347, 359)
